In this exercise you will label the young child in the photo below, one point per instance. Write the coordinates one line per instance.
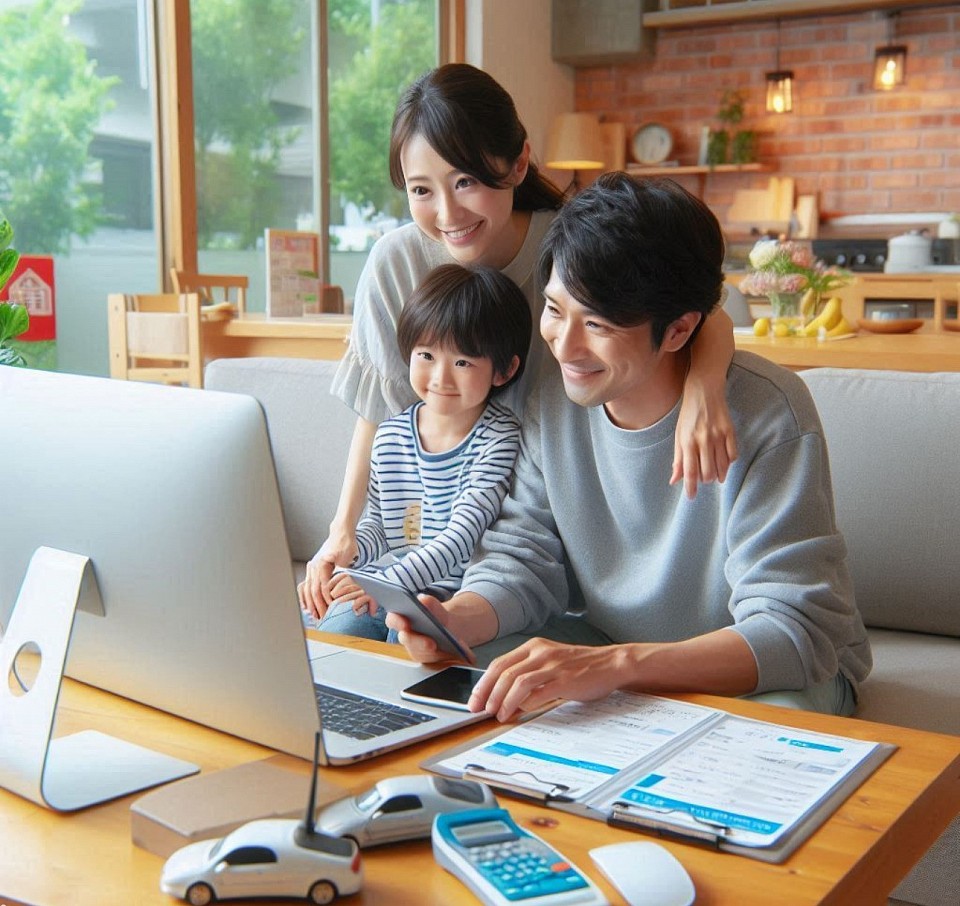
(440, 470)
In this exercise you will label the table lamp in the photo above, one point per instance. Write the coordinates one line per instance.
(575, 143)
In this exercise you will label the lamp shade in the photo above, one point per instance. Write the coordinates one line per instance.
(780, 91)
(889, 66)
(575, 143)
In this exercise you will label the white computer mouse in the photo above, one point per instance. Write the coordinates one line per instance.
(647, 874)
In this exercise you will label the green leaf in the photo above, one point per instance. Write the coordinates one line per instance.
(8, 261)
(14, 320)
(6, 232)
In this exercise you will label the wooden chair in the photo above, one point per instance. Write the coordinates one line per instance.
(899, 288)
(212, 288)
(155, 338)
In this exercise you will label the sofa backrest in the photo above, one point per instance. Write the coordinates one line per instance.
(310, 433)
(894, 443)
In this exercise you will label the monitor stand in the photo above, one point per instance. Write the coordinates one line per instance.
(85, 768)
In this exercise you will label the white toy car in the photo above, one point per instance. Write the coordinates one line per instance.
(274, 857)
(401, 808)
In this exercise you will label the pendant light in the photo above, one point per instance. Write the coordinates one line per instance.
(890, 62)
(779, 85)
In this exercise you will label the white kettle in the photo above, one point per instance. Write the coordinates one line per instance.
(909, 252)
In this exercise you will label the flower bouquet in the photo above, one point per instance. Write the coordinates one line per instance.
(795, 282)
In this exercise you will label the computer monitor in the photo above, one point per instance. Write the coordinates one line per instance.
(173, 496)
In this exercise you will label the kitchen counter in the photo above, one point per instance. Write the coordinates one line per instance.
(924, 350)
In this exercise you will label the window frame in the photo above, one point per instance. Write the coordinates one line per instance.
(176, 194)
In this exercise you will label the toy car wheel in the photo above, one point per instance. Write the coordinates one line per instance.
(322, 892)
(200, 894)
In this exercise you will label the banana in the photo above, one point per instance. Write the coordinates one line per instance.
(827, 319)
(841, 328)
(808, 301)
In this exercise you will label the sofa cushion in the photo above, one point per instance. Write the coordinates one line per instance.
(913, 682)
(892, 438)
(310, 433)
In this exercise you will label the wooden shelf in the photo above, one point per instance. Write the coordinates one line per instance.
(708, 13)
(703, 169)
(698, 170)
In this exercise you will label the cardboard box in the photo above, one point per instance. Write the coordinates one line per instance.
(215, 803)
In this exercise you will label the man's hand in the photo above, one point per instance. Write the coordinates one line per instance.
(314, 590)
(541, 671)
(421, 647)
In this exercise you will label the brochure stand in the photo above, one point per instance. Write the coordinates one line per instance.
(69, 772)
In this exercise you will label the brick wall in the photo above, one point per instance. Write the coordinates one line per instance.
(860, 150)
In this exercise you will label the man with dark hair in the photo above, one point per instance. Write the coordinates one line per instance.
(624, 581)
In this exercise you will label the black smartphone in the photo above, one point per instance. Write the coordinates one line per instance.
(394, 598)
(450, 688)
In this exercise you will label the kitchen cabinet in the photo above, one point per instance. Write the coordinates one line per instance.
(935, 294)
(684, 13)
(600, 32)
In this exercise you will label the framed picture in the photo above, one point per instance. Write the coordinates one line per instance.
(293, 273)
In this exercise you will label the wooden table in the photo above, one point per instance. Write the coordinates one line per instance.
(254, 334)
(924, 350)
(858, 856)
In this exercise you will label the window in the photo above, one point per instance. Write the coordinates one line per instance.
(77, 144)
(82, 180)
(250, 855)
(403, 803)
(257, 125)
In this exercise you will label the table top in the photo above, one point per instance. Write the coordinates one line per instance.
(857, 856)
(924, 350)
(258, 324)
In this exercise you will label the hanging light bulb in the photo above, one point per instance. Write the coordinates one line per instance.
(779, 85)
(890, 62)
(889, 67)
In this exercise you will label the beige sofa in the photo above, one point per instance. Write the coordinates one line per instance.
(894, 442)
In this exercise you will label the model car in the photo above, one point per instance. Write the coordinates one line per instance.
(276, 857)
(401, 808)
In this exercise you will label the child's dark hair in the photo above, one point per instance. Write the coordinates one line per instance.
(470, 120)
(478, 311)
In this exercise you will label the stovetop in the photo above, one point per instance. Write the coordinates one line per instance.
(858, 255)
(870, 255)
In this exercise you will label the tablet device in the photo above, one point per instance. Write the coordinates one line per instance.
(394, 598)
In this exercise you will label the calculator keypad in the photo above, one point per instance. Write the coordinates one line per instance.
(521, 869)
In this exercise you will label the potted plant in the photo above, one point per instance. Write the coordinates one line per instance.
(742, 147)
(14, 319)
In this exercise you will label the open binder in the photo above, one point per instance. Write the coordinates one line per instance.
(674, 768)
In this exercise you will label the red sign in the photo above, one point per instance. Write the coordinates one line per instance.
(31, 285)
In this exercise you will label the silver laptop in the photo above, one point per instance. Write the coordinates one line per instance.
(383, 720)
(173, 496)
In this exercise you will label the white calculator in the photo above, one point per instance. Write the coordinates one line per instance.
(504, 864)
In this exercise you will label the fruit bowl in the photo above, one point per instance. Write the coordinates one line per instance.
(890, 325)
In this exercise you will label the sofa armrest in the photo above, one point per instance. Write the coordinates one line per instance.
(894, 439)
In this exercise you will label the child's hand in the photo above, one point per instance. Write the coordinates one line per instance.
(337, 550)
(342, 588)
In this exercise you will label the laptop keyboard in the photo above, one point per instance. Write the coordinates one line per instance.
(360, 717)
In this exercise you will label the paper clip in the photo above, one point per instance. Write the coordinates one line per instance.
(629, 814)
(506, 780)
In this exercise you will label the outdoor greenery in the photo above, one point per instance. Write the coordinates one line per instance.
(248, 109)
(393, 51)
(242, 51)
(51, 99)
